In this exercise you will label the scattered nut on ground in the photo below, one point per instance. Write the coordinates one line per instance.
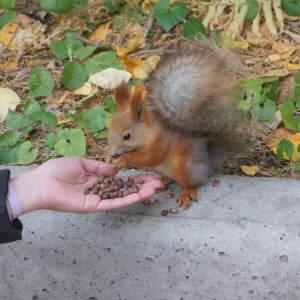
(216, 183)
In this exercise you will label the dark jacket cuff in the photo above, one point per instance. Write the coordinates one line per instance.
(10, 231)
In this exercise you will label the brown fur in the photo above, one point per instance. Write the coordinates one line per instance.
(186, 124)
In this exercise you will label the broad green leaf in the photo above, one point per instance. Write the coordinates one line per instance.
(297, 77)
(73, 144)
(51, 139)
(9, 138)
(9, 155)
(7, 16)
(45, 117)
(287, 110)
(84, 52)
(168, 16)
(8, 4)
(40, 83)
(57, 6)
(194, 29)
(31, 106)
(264, 112)
(74, 75)
(21, 123)
(291, 7)
(59, 49)
(113, 6)
(285, 146)
(26, 155)
(252, 9)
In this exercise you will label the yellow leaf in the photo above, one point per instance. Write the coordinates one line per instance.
(8, 100)
(100, 33)
(6, 34)
(9, 65)
(293, 67)
(252, 170)
(295, 139)
(135, 43)
(145, 67)
(85, 90)
(63, 98)
(63, 119)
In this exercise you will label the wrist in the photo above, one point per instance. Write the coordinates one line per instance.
(9, 209)
(25, 191)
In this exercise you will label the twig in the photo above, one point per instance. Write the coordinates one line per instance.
(88, 41)
(6, 47)
(149, 23)
(154, 51)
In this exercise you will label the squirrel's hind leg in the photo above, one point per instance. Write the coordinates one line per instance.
(188, 194)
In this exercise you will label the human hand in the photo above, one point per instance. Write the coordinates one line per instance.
(59, 184)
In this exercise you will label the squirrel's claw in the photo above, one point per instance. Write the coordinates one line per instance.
(186, 197)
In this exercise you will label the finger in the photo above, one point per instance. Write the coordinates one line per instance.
(98, 167)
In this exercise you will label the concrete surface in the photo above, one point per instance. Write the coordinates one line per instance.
(241, 241)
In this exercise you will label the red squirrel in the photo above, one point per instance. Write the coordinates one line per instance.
(185, 124)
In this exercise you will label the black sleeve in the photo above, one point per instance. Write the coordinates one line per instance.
(10, 231)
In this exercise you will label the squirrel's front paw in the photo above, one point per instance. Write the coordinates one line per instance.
(119, 163)
(188, 195)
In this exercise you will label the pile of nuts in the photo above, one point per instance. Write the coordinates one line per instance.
(111, 187)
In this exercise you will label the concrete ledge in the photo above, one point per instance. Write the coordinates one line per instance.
(241, 241)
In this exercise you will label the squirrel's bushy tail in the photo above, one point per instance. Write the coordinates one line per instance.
(191, 91)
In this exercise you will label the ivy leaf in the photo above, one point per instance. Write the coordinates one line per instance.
(57, 6)
(194, 29)
(297, 77)
(25, 154)
(287, 110)
(252, 9)
(45, 117)
(84, 52)
(59, 49)
(21, 123)
(285, 146)
(73, 75)
(8, 4)
(7, 16)
(167, 16)
(291, 7)
(31, 106)
(51, 139)
(40, 83)
(264, 112)
(71, 143)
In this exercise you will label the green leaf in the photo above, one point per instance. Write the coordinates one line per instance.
(57, 6)
(297, 166)
(25, 154)
(167, 16)
(285, 146)
(50, 139)
(111, 106)
(72, 144)
(264, 112)
(21, 123)
(113, 6)
(31, 106)
(91, 118)
(194, 29)
(297, 77)
(59, 49)
(40, 83)
(45, 117)
(84, 52)
(252, 9)
(8, 4)
(102, 61)
(291, 7)
(74, 75)
(9, 138)
(6, 17)
(287, 110)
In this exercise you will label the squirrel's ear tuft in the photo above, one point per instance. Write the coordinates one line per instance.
(122, 96)
(138, 106)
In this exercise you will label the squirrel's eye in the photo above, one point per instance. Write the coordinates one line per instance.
(126, 136)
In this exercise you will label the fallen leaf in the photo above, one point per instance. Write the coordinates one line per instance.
(135, 43)
(252, 170)
(6, 34)
(62, 98)
(85, 90)
(277, 135)
(146, 66)
(293, 67)
(100, 33)
(9, 65)
(8, 100)
(110, 78)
